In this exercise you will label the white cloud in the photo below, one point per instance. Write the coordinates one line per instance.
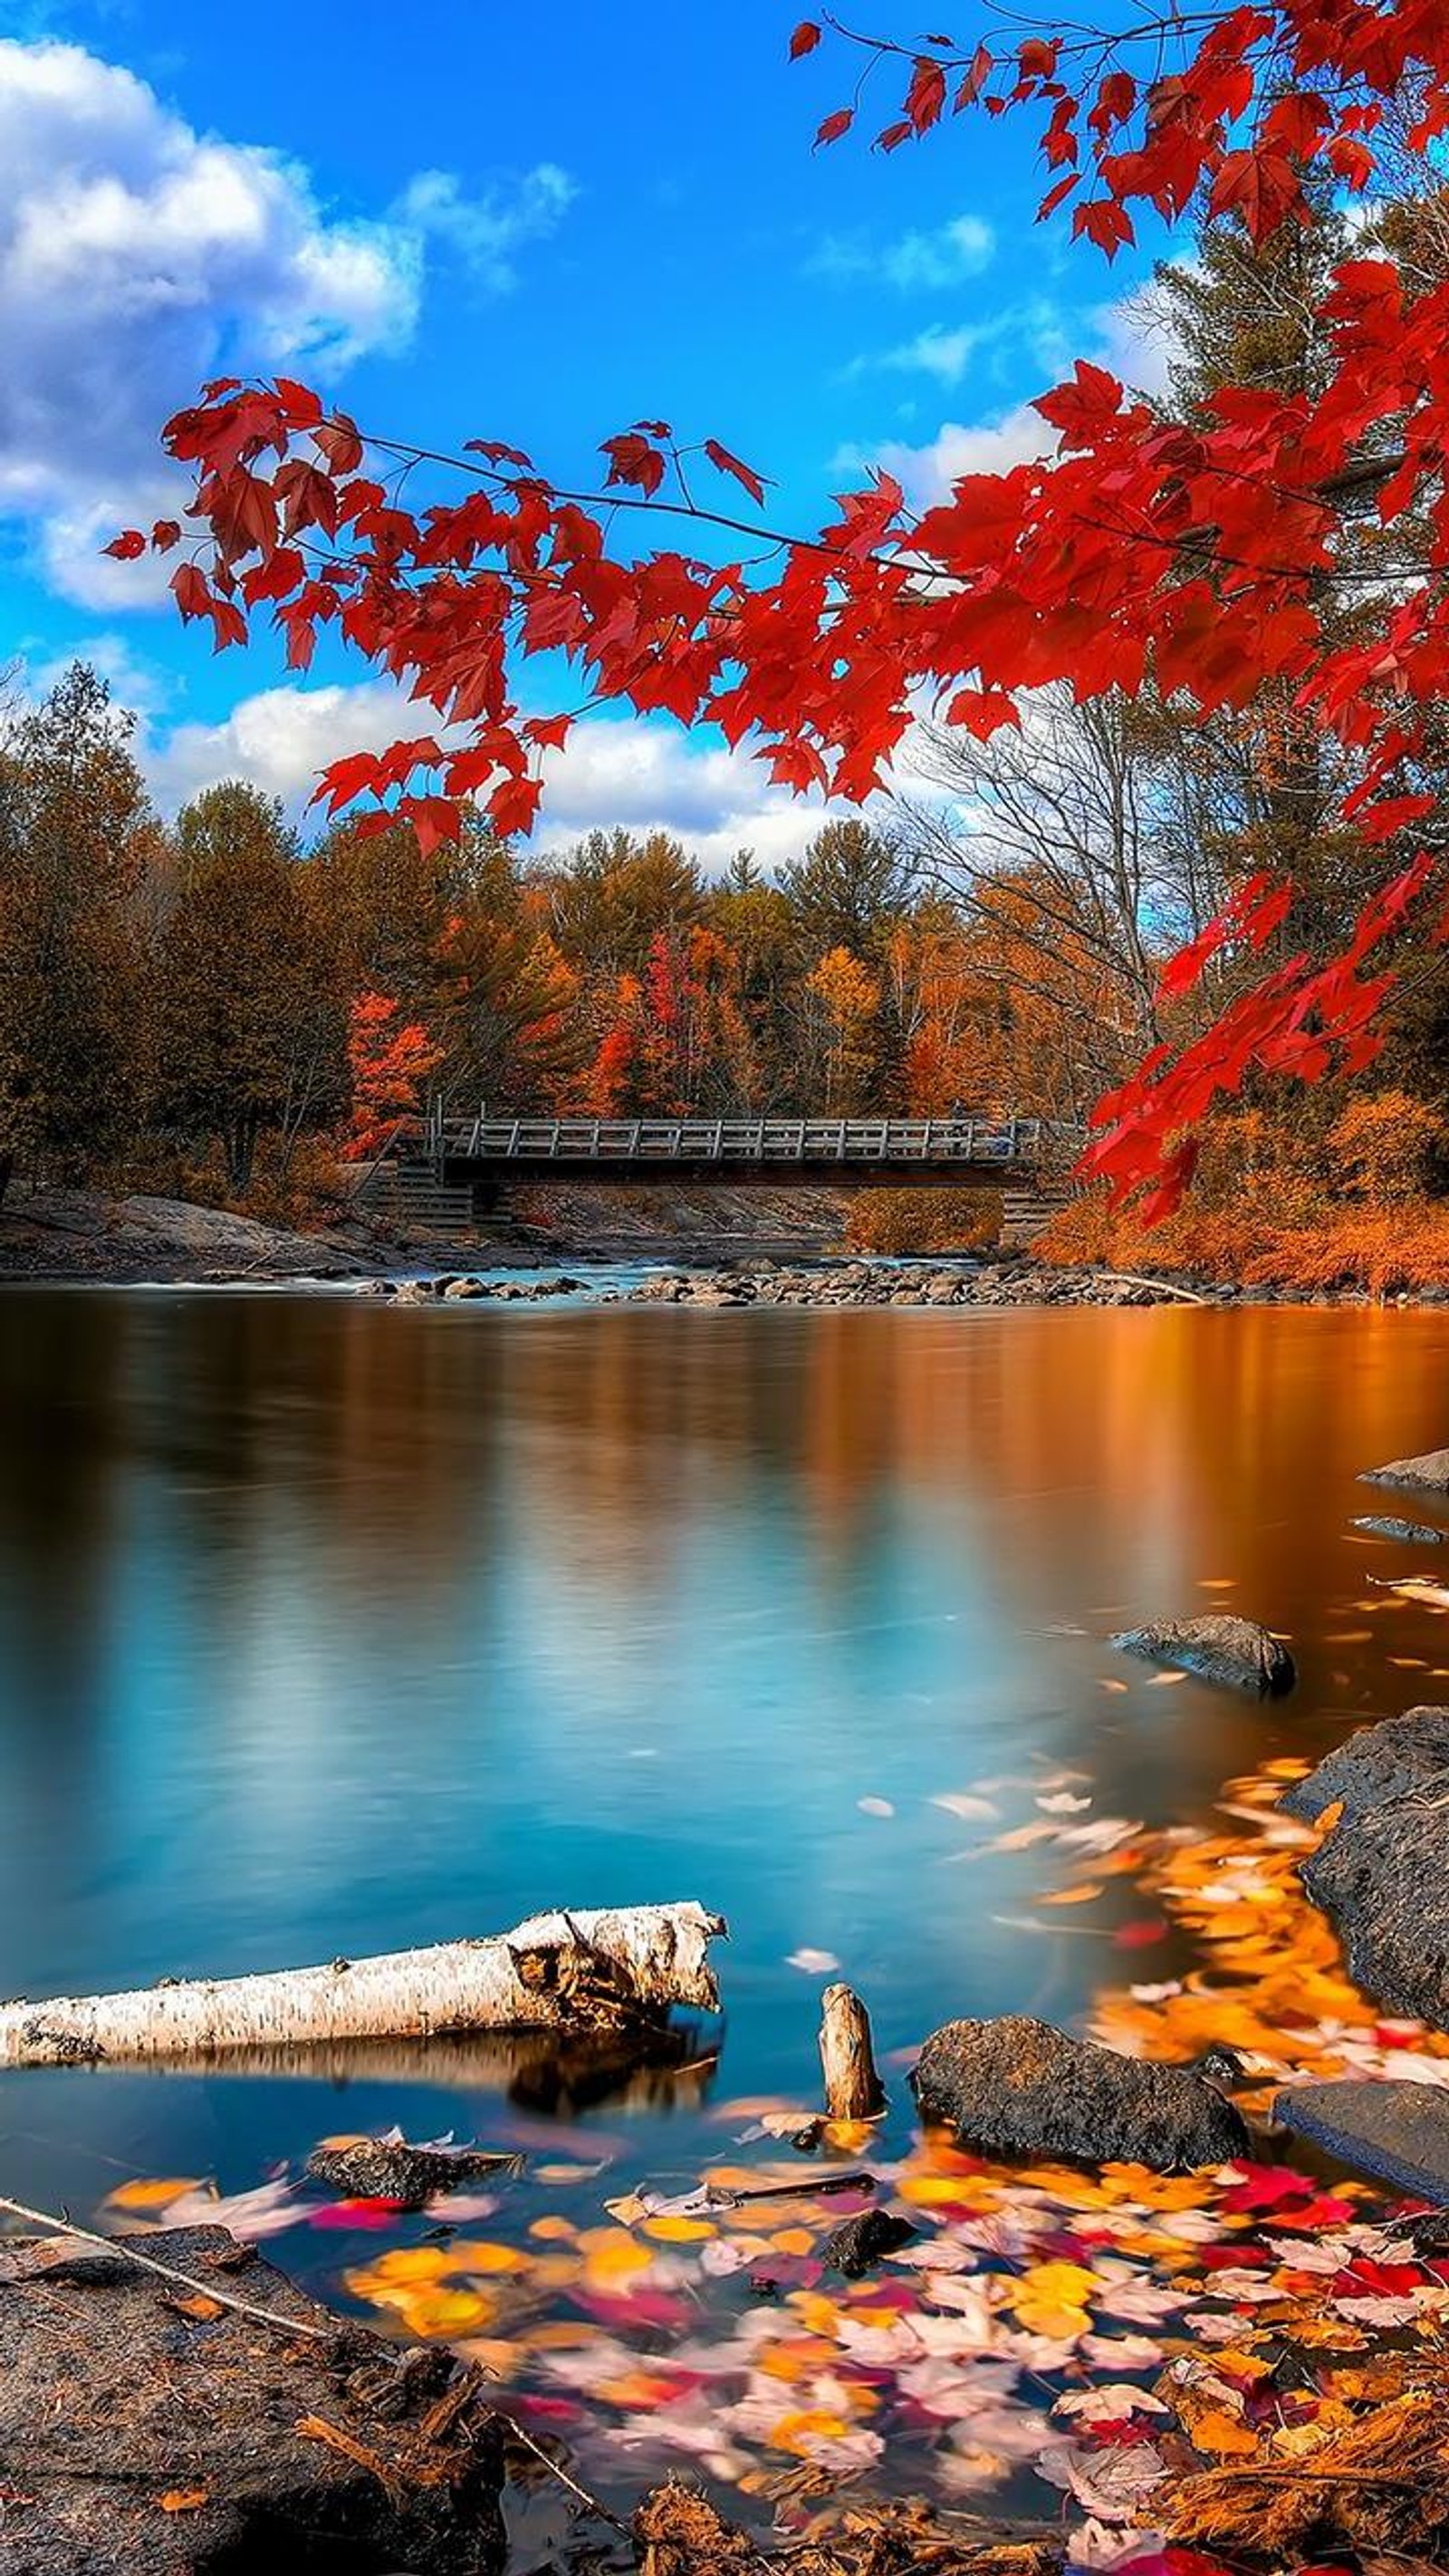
(934, 352)
(618, 770)
(990, 446)
(1123, 337)
(279, 739)
(916, 260)
(613, 771)
(486, 231)
(138, 257)
(1035, 332)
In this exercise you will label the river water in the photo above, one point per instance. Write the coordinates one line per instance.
(326, 1628)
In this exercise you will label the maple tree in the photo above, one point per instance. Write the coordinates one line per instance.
(1207, 555)
(389, 1059)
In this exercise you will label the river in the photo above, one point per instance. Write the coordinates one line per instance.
(326, 1628)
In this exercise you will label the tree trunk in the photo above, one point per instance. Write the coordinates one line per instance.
(853, 2090)
(558, 1971)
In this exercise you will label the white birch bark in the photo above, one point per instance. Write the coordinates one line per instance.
(558, 1971)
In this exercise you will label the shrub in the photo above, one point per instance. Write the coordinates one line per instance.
(905, 1221)
(1388, 1146)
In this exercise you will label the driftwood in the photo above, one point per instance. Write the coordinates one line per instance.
(853, 2089)
(178, 2429)
(678, 2532)
(559, 1971)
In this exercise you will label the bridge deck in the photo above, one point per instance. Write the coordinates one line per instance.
(830, 1153)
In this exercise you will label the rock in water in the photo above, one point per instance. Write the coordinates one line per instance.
(150, 2429)
(1379, 1762)
(1430, 1472)
(1018, 2087)
(1386, 1525)
(1383, 1877)
(860, 2243)
(1397, 2132)
(390, 2169)
(1236, 1652)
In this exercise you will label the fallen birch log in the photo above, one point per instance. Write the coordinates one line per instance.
(559, 1971)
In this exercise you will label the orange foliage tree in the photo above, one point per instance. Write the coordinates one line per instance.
(389, 1059)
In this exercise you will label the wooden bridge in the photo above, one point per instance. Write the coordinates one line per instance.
(824, 1153)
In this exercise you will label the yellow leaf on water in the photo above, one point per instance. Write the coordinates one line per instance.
(797, 2432)
(484, 2258)
(411, 2263)
(1074, 1895)
(148, 2195)
(611, 2257)
(793, 2240)
(552, 2230)
(679, 2231)
(818, 2315)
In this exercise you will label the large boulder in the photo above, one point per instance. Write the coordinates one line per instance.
(1379, 1762)
(1383, 1877)
(1018, 2087)
(1430, 1472)
(1236, 1652)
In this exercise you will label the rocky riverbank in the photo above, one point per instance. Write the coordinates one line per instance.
(762, 1282)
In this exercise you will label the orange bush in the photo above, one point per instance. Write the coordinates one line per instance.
(1379, 1250)
(905, 1221)
(1388, 1146)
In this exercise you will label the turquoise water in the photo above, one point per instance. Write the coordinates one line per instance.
(326, 1628)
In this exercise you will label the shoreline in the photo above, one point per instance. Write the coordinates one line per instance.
(82, 1239)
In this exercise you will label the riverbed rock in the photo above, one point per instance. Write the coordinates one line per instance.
(1382, 1876)
(391, 2169)
(1236, 1652)
(1430, 1472)
(858, 2244)
(151, 2428)
(1019, 2087)
(1386, 1525)
(1379, 1762)
(1399, 2133)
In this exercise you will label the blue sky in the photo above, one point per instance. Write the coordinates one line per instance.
(474, 221)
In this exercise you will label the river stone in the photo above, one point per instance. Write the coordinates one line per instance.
(858, 2244)
(1018, 2087)
(1379, 1762)
(115, 2398)
(1385, 1525)
(1399, 2133)
(1430, 1472)
(391, 2169)
(1383, 1877)
(1236, 1652)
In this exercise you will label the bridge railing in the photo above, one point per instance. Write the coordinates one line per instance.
(742, 1140)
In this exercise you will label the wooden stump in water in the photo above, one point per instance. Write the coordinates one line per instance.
(853, 2089)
